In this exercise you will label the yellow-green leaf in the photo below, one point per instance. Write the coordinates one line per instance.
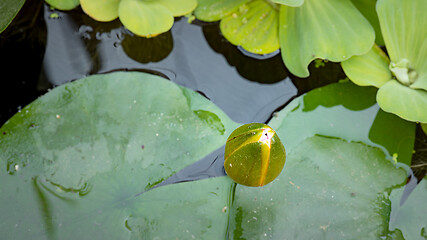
(254, 26)
(330, 29)
(370, 69)
(101, 10)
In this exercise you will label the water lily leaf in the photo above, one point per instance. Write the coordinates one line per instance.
(410, 218)
(329, 189)
(318, 29)
(73, 161)
(347, 111)
(367, 8)
(215, 10)
(409, 104)
(371, 69)
(145, 18)
(179, 8)
(8, 11)
(253, 26)
(403, 28)
(290, 3)
(101, 10)
(63, 4)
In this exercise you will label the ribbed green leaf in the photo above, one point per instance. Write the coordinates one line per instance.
(290, 3)
(367, 8)
(371, 69)
(254, 26)
(403, 25)
(328, 29)
(409, 104)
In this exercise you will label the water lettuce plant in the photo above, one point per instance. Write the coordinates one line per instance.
(77, 163)
(143, 18)
(303, 30)
(401, 76)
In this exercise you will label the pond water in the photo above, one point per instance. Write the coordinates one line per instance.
(65, 46)
(50, 48)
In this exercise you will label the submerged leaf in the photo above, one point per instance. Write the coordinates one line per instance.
(347, 111)
(334, 30)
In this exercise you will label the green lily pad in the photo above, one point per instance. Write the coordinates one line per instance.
(290, 3)
(254, 26)
(370, 69)
(403, 28)
(347, 111)
(318, 29)
(409, 104)
(73, 161)
(215, 10)
(329, 189)
(101, 10)
(63, 4)
(8, 11)
(410, 218)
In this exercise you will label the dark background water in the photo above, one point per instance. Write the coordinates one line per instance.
(40, 51)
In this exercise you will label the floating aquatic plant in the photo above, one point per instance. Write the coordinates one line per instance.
(144, 18)
(402, 75)
(303, 30)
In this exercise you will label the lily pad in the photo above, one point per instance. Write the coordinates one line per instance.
(254, 26)
(318, 30)
(64, 4)
(371, 69)
(347, 111)
(329, 189)
(73, 161)
(410, 217)
(8, 11)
